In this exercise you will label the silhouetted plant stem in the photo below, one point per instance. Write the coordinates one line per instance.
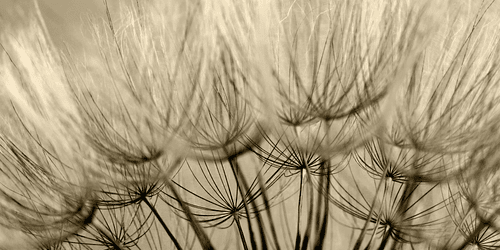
(239, 182)
(268, 211)
(242, 234)
(299, 210)
(409, 187)
(157, 215)
(258, 217)
(361, 237)
(205, 242)
(386, 238)
(310, 219)
(324, 224)
(319, 202)
(377, 223)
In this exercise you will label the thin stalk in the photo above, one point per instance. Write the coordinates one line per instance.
(242, 235)
(385, 239)
(235, 169)
(158, 217)
(320, 201)
(377, 223)
(307, 234)
(202, 236)
(268, 211)
(205, 242)
(322, 233)
(410, 186)
(299, 210)
(360, 239)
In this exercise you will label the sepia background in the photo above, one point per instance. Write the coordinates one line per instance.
(66, 21)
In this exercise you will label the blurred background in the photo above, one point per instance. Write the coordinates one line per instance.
(66, 19)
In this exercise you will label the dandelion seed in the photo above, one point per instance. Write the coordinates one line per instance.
(215, 196)
(470, 229)
(46, 191)
(449, 99)
(391, 212)
(253, 124)
(404, 164)
(336, 78)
